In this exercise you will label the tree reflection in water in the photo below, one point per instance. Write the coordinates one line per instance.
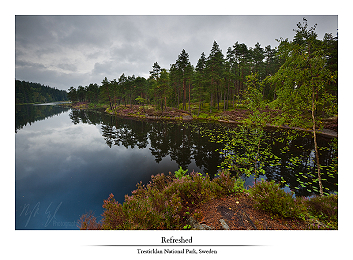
(285, 156)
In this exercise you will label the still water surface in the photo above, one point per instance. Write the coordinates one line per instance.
(69, 161)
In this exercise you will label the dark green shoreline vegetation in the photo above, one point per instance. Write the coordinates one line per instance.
(35, 93)
(169, 201)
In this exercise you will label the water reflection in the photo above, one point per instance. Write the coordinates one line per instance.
(181, 141)
(287, 156)
(296, 165)
(28, 114)
(68, 164)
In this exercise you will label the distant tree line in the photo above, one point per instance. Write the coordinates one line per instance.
(29, 92)
(217, 79)
(29, 114)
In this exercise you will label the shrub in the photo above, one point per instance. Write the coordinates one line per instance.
(165, 202)
(113, 215)
(225, 181)
(324, 208)
(268, 196)
(89, 221)
(239, 186)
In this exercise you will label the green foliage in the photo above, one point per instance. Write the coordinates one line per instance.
(187, 226)
(29, 92)
(239, 186)
(268, 196)
(180, 173)
(245, 152)
(225, 181)
(250, 75)
(324, 208)
(302, 83)
(318, 212)
(303, 75)
(140, 100)
(254, 101)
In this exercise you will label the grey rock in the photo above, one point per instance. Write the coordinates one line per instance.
(207, 227)
(196, 225)
(224, 224)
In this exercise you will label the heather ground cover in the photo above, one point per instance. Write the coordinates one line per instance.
(168, 202)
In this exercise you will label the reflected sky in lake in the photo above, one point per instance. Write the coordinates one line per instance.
(68, 169)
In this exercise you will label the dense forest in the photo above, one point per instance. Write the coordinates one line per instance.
(222, 80)
(29, 92)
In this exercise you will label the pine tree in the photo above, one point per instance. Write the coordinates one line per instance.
(183, 69)
(106, 93)
(215, 69)
(200, 79)
(156, 71)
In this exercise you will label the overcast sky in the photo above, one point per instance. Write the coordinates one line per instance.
(65, 51)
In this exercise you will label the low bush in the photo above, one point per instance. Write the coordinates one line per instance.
(165, 202)
(319, 212)
(268, 196)
(325, 209)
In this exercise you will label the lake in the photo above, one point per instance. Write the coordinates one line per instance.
(68, 161)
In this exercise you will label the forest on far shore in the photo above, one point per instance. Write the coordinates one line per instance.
(220, 81)
(29, 92)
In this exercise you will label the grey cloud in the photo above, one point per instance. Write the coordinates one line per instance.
(78, 50)
(22, 63)
(52, 78)
(103, 68)
(67, 67)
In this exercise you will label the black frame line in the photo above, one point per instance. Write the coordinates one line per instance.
(177, 245)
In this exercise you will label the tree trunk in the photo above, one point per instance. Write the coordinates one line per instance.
(184, 95)
(227, 97)
(211, 102)
(224, 101)
(110, 101)
(199, 107)
(162, 104)
(177, 95)
(189, 97)
(199, 102)
(315, 142)
(233, 94)
(218, 97)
